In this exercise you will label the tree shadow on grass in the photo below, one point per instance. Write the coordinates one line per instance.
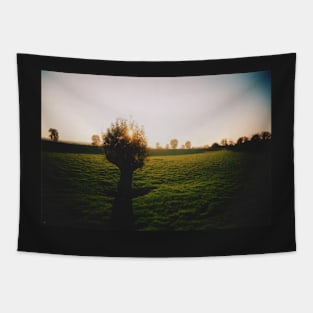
(122, 208)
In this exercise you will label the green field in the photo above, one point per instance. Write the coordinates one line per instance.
(199, 191)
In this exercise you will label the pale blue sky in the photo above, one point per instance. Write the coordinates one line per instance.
(202, 109)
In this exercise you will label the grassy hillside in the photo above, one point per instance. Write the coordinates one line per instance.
(221, 189)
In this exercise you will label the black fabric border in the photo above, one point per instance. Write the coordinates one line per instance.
(36, 237)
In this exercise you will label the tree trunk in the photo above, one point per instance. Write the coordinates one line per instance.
(125, 183)
(122, 211)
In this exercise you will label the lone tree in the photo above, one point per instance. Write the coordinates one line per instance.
(95, 140)
(54, 134)
(188, 144)
(125, 145)
(174, 143)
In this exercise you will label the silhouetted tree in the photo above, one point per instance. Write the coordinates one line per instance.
(257, 143)
(174, 143)
(158, 146)
(95, 140)
(245, 139)
(224, 142)
(54, 134)
(255, 138)
(266, 135)
(125, 145)
(188, 144)
(215, 146)
(230, 143)
(242, 140)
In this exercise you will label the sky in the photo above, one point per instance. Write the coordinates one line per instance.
(201, 109)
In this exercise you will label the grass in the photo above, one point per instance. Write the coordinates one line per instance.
(199, 191)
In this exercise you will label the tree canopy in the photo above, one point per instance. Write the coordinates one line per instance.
(174, 143)
(188, 144)
(125, 145)
(54, 134)
(95, 140)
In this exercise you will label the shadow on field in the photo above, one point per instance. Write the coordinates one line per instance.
(122, 208)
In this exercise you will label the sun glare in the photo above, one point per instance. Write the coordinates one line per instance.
(130, 133)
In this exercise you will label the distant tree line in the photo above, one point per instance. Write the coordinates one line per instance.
(174, 144)
(257, 141)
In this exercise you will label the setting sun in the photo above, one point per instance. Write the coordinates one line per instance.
(130, 133)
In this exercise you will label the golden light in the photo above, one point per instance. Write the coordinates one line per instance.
(130, 133)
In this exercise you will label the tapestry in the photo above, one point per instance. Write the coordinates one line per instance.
(156, 159)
